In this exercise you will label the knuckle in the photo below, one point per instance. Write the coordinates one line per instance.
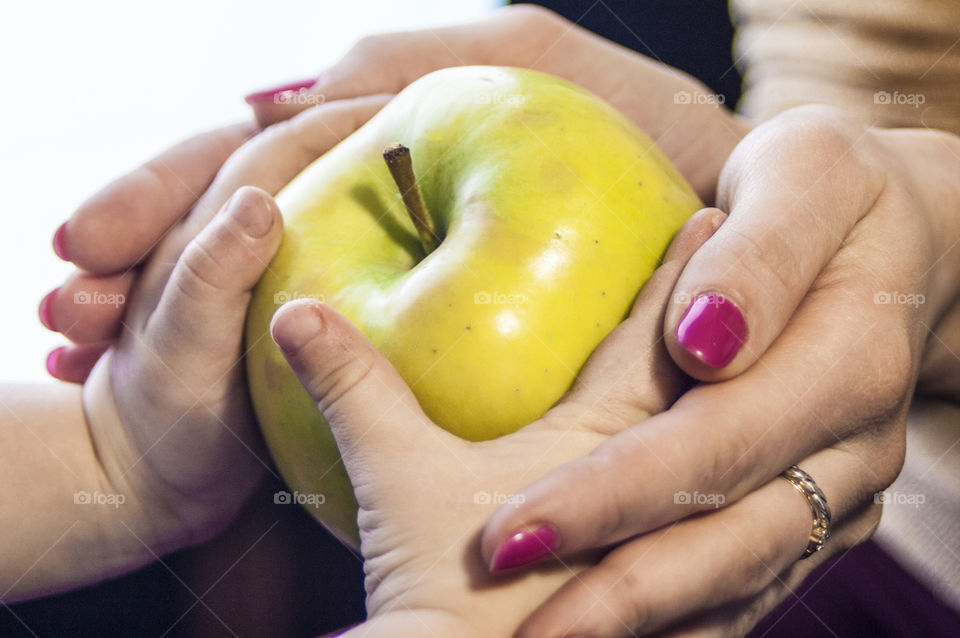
(775, 264)
(758, 567)
(532, 16)
(733, 449)
(753, 612)
(346, 371)
(884, 455)
(611, 507)
(888, 381)
(865, 529)
(630, 601)
(831, 152)
(371, 45)
(201, 269)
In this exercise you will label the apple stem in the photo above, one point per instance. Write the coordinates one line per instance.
(398, 161)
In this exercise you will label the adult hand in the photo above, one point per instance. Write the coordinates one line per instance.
(159, 207)
(812, 306)
(681, 114)
(116, 229)
(425, 493)
(168, 406)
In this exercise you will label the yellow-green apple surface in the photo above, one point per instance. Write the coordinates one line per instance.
(550, 210)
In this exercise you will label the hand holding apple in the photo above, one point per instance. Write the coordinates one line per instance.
(696, 134)
(543, 211)
(853, 270)
(117, 228)
(424, 493)
(168, 407)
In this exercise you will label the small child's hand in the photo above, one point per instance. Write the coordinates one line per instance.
(425, 494)
(168, 406)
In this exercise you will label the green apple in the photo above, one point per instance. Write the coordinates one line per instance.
(550, 211)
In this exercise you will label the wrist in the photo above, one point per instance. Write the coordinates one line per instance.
(124, 469)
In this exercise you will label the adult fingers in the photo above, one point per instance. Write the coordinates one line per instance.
(738, 618)
(74, 363)
(704, 562)
(87, 308)
(388, 62)
(117, 227)
(794, 189)
(825, 381)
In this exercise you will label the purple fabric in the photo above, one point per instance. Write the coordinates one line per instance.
(861, 594)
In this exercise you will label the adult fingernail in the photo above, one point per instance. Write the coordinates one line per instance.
(524, 548)
(276, 93)
(58, 242)
(294, 329)
(253, 211)
(46, 318)
(712, 329)
(53, 360)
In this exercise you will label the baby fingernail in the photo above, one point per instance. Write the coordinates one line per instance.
(293, 330)
(58, 242)
(524, 548)
(252, 210)
(276, 93)
(53, 360)
(46, 317)
(712, 329)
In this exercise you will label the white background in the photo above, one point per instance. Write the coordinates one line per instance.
(90, 89)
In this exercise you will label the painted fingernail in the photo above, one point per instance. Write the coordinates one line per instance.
(524, 548)
(253, 211)
(712, 329)
(273, 95)
(46, 317)
(53, 361)
(58, 242)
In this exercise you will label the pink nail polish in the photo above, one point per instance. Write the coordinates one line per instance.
(712, 329)
(524, 548)
(53, 361)
(58, 238)
(268, 95)
(44, 311)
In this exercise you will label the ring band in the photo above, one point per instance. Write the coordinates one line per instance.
(805, 484)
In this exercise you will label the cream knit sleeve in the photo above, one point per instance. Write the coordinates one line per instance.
(891, 62)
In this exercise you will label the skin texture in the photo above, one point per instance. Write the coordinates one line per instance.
(539, 198)
(421, 489)
(121, 225)
(877, 208)
(744, 559)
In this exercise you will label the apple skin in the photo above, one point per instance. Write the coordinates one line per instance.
(553, 210)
